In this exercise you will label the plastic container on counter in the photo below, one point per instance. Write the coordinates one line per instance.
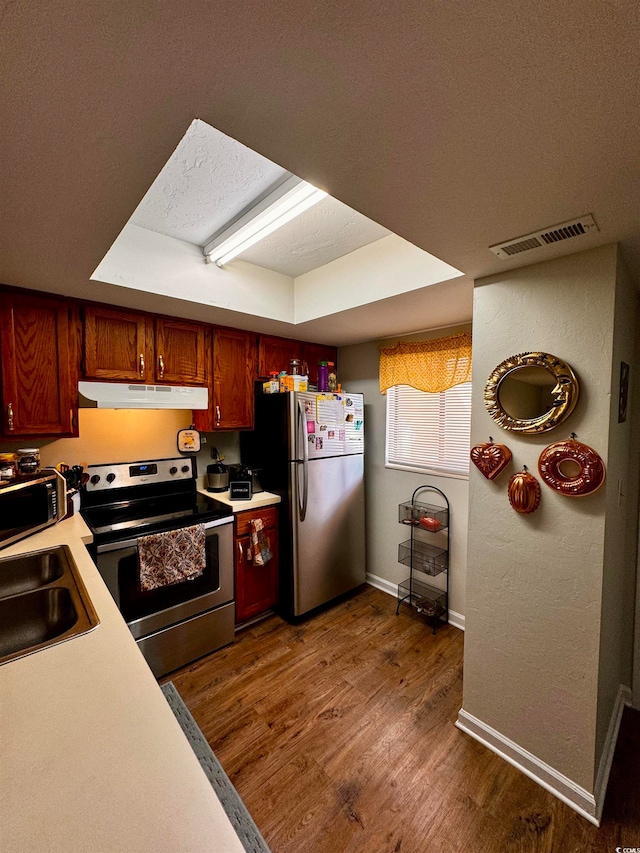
(8, 466)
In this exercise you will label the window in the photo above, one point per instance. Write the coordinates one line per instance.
(429, 432)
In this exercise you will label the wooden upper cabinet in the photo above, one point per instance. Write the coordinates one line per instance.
(39, 366)
(118, 345)
(313, 353)
(180, 352)
(276, 353)
(129, 347)
(234, 371)
(230, 381)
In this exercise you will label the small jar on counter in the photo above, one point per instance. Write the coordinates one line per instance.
(294, 367)
(8, 466)
(28, 460)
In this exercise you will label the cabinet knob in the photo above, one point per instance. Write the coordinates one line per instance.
(218, 416)
(141, 365)
(10, 421)
(161, 367)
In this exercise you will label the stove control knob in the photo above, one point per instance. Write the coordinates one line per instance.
(110, 478)
(173, 470)
(185, 469)
(95, 479)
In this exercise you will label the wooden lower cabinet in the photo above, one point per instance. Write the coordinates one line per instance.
(256, 586)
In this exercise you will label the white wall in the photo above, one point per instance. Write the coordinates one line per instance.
(358, 370)
(151, 262)
(619, 571)
(385, 268)
(535, 582)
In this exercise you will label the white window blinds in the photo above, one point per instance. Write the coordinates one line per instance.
(429, 431)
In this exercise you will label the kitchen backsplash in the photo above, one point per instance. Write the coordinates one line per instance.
(126, 435)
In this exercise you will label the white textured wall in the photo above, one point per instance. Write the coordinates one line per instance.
(534, 582)
(388, 487)
(385, 268)
(619, 571)
(154, 263)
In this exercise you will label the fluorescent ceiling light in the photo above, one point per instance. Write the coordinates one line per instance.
(287, 201)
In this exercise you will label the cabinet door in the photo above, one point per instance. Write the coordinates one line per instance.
(313, 353)
(39, 366)
(256, 586)
(180, 352)
(234, 373)
(118, 345)
(276, 353)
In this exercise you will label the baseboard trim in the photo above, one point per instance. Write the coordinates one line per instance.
(455, 619)
(623, 698)
(382, 584)
(578, 798)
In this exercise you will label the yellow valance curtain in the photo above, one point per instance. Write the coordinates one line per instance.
(427, 365)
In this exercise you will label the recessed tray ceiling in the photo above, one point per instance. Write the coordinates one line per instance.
(210, 179)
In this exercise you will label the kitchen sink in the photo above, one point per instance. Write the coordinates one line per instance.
(30, 571)
(43, 602)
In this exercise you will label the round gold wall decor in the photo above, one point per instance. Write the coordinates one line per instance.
(524, 492)
(571, 468)
(531, 392)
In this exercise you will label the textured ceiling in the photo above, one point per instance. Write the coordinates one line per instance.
(210, 179)
(455, 125)
(207, 182)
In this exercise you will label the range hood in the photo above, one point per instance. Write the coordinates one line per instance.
(115, 395)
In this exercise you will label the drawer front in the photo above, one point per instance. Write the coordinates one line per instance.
(268, 514)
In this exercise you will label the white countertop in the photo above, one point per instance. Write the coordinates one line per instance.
(92, 759)
(258, 500)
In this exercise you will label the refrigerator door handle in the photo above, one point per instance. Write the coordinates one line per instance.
(302, 437)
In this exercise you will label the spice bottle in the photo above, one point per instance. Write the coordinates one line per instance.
(323, 376)
(28, 460)
(332, 380)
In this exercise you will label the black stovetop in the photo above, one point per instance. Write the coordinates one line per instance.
(151, 514)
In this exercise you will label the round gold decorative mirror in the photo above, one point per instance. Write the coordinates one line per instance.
(531, 392)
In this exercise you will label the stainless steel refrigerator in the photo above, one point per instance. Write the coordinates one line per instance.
(309, 448)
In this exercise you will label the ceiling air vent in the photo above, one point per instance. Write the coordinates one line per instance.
(555, 234)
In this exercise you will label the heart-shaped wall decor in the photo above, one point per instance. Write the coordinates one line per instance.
(490, 459)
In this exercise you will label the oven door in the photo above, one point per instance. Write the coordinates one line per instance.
(148, 612)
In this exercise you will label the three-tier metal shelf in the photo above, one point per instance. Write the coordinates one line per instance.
(426, 554)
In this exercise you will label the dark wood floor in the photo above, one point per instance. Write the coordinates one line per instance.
(338, 735)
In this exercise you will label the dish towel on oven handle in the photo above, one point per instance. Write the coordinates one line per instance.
(173, 557)
(260, 551)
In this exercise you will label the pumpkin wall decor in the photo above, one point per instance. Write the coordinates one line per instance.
(490, 459)
(524, 492)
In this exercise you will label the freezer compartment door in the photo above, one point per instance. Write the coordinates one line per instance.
(333, 423)
(329, 548)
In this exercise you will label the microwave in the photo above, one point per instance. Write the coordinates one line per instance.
(30, 504)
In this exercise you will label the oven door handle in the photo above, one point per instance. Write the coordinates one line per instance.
(133, 543)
